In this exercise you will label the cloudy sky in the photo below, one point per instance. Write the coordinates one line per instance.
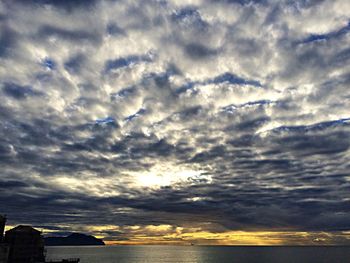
(177, 121)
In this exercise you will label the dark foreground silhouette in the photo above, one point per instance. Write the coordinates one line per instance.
(25, 244)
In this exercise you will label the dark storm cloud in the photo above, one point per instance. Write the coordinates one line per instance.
(64, 4)
(67, 34)
(127, 61)
(19, 92)
(341, 57)
(115, 30)
(199, 51)
(244, 2)
(75, 63)
(8, 39)
(225, 115)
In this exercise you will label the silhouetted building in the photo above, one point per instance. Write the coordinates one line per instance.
(2, 227)
(26, 245)
(4, 248)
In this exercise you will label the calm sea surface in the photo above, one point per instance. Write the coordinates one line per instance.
(202, 254)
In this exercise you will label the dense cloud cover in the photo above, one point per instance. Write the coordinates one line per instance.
(161, 116)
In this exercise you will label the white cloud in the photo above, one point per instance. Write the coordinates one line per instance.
(195, 94)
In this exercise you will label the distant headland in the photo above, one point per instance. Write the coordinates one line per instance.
(75, 239)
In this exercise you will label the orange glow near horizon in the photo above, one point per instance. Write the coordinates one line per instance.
(171, 235)
(167, 235)
(209, 238)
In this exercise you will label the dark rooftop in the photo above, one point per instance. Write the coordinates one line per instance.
(23, 228)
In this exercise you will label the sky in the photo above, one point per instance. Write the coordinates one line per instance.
(219, 122)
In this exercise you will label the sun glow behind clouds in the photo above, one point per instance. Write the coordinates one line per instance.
(168, 234)
(167, 174)
(96, 186)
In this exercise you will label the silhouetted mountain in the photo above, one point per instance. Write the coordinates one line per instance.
(74, 239)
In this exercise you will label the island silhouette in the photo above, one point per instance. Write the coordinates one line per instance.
(74, 239)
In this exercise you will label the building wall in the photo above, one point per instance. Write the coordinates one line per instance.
(2, 227)
(4, 249)
(25, 247)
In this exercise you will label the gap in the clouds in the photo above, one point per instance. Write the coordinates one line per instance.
(227, 78)
(106, 121)
(123, 93)
(124, 62)
(233, 107)
(324, 37)
(311, 127)
(139, 113)
(49, 64)
(234, 79)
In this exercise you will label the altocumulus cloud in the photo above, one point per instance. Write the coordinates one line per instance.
(161, 117)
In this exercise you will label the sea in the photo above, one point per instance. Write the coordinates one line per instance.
(201, 254)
